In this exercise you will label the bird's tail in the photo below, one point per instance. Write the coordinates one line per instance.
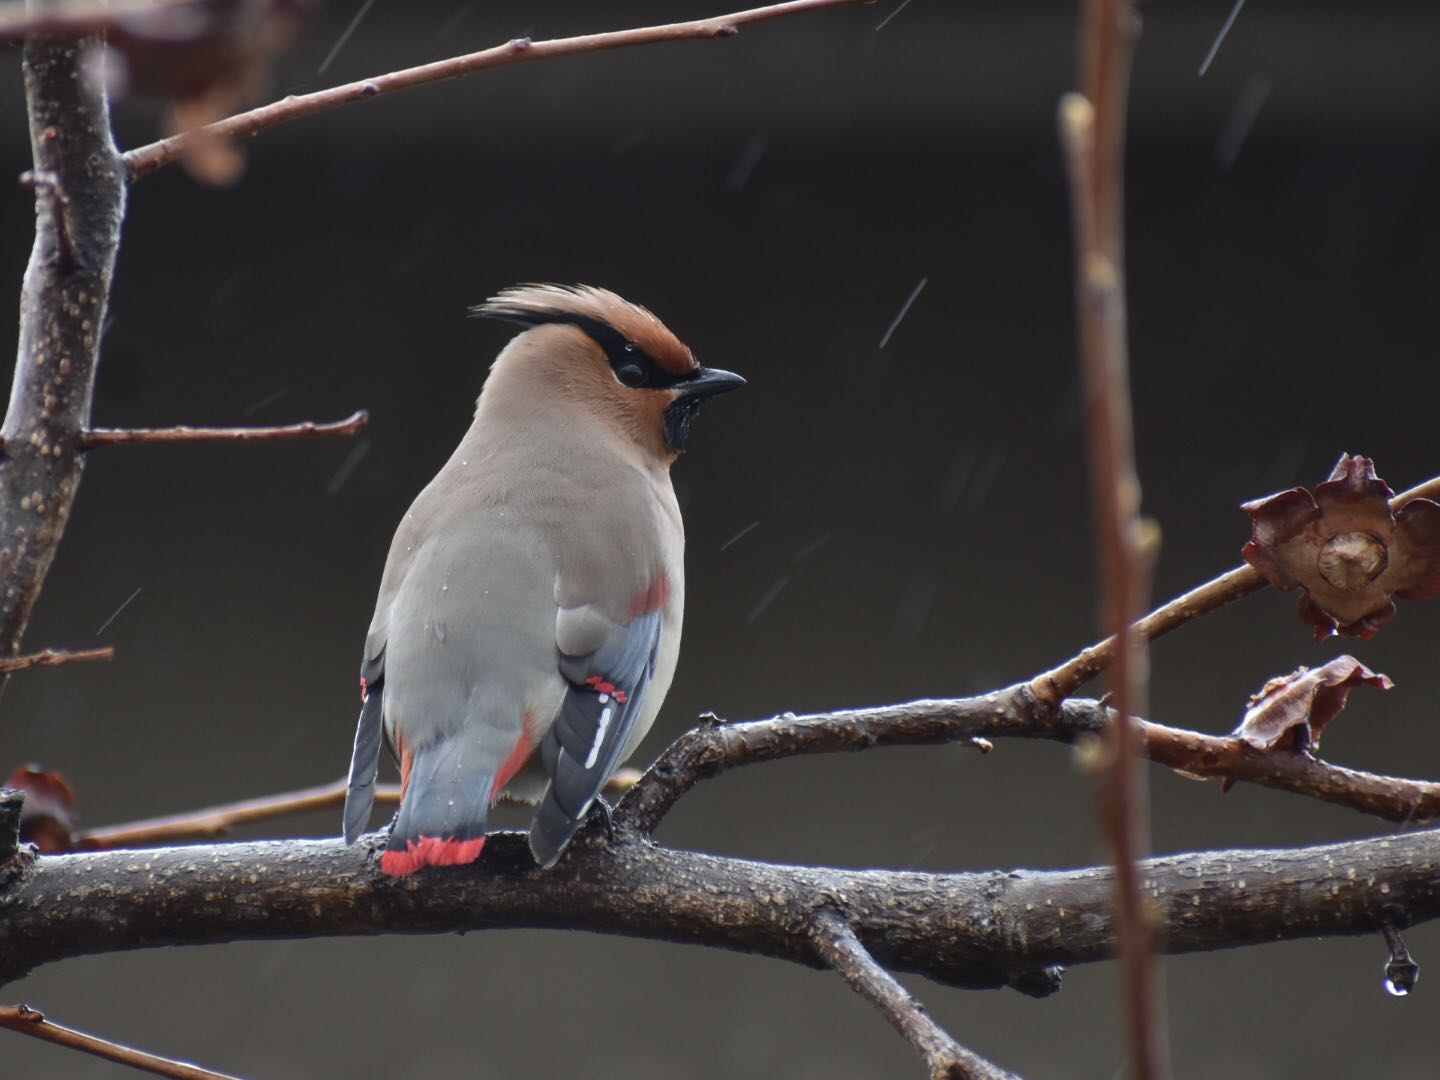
(443, 809)
(364, 763)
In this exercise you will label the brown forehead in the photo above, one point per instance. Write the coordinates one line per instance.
(583, 304)
(651, 337)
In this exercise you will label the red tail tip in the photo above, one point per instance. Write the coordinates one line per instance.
(430, 851)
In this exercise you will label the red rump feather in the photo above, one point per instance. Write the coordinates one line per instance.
(431, 851)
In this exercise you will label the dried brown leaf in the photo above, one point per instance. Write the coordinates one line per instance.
(47, 819)
(1290, 711)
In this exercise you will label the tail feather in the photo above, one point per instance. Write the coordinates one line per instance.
(552, 829)
(430, 851)
(364, 764)
(443, 815)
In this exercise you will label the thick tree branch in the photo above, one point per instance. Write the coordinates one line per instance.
(839, 948)
(146, 159)
(28, 1021)
(351, 425)
(62, 306)
(982, 930)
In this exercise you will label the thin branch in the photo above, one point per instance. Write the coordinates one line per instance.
(973, 930)
(713, 748)
(146, 159)
(62, 307)
(216, 821)
(1056, 685)
(220, 820)
(1391, 798)
(53, 658)
(28, 1021)
(352, 424)
(1430, 489)
(839, 948)
(1093, 132)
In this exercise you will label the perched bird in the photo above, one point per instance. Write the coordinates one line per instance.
(528, 622)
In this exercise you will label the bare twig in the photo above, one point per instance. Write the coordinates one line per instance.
(218, 821)
(1216, 757)
(53, 658)
(1093, 133)
(713, 748)
(839, 949)
(352, 424)
(62, 308)
(1430, 489)
(28, 1021)
(1055, 685)
(146, 159)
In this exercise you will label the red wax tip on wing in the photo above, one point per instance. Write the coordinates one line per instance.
(430, 851)
(601, 685)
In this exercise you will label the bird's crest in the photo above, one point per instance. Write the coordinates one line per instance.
(599, 312)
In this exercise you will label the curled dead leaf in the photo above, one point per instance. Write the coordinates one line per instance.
(1291, 711)
(1346, 549)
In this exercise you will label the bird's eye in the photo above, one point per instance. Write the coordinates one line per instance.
(632, 375)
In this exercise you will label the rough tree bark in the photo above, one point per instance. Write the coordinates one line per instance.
(974, 930)
(79, 183)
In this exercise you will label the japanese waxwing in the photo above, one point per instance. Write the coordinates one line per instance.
(528, 622)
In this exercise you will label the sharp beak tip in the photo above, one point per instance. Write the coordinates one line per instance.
(711, 381)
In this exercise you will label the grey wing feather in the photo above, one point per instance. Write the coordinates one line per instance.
(583, 747)
(365, 759)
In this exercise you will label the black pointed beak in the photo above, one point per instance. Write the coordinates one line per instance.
(707, 382)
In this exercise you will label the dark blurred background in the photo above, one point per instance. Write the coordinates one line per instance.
(916, 511)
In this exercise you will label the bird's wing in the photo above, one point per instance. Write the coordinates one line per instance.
(607, 666)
